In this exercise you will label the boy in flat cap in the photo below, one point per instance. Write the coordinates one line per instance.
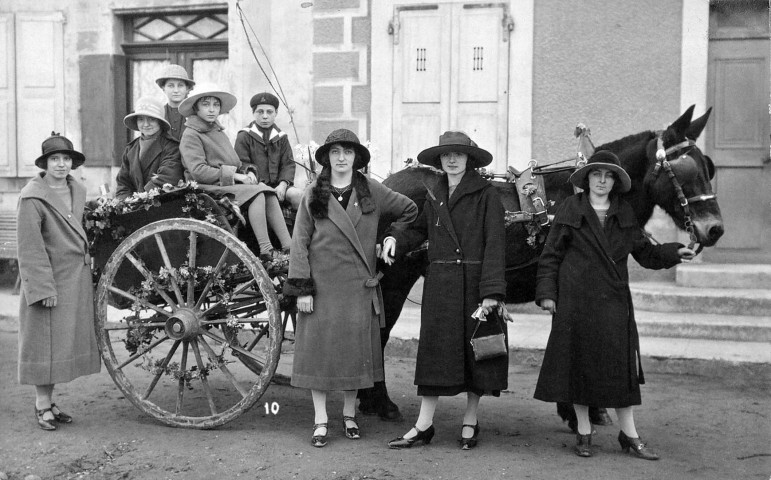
(176, 85)
(264, 145)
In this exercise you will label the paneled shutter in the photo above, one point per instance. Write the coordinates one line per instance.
(7, 97)
(39, 84)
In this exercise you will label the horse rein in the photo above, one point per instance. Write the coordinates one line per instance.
(662, 162)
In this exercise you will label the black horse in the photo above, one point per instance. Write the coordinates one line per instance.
(681, 186)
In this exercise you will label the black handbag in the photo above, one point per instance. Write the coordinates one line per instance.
(489, 346)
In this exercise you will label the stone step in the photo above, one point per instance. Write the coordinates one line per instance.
(724, 275)
(669, 297)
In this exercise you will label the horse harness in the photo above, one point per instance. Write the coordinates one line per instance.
(663, 162)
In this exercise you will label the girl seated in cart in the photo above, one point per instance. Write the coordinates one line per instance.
(210, 160)
(152, 159)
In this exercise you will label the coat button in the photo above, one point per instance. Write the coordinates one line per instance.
(457, 250)
(457, 261)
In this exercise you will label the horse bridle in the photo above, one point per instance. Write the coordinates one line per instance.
(662, 162)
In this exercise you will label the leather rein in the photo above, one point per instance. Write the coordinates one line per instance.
(663, 163)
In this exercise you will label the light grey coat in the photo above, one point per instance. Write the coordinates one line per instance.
(56, 344)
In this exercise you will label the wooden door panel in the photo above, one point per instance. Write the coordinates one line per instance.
(7, 97)
(39, 84)
(478, 55)
(418, 132)
(422, 57)
(738, 190)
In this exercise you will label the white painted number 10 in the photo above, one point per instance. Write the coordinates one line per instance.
(271, 407)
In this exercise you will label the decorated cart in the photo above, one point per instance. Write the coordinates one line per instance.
(188, 318)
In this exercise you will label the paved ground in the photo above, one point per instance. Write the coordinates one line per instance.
(709, 419)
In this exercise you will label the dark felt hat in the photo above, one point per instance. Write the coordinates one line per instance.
(602, 159)
(452, 141)
(346, 138)
(264, 98)
(59, 144)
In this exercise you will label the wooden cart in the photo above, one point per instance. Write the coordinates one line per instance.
(188, 319)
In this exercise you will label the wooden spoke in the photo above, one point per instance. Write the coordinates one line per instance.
(167, 262)
(161, 369)
(139, 354)
(235, 348)
(181, 388)
(142, 302)
(204, 381)
(127, 325)
(215, 272)
(191, 253)
(258, 337)
(222, 367)
(233, 294)
(149, 277)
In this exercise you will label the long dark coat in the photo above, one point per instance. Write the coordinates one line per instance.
(159, 164)
(56, 344)
(466, 249)
(337, 346)
(592, 356)
(274, 161)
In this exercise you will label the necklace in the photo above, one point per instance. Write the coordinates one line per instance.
(340, 191)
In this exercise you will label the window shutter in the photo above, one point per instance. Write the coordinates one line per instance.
(39, 84)
(7, 97)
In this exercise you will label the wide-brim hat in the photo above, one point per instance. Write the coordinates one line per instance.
(147, 107)
(227, 99)
(346, 138)
(452, 141)
(59, 144)
(602, 159)
(174, 72)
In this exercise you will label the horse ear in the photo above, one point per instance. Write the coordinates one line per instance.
(697, 126)
(710, 166)
(681, 124)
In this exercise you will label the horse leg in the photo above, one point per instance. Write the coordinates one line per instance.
(396, 285)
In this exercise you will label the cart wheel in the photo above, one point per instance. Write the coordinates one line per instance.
(169, 336)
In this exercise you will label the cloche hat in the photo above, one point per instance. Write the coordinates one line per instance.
(59, 144)
(602, 159)
(264, 98)
(227, 99)
(346, 138)
(174, 72)
(453, 141)
(148, 107)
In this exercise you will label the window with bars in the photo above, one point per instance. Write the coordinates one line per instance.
(179, 27)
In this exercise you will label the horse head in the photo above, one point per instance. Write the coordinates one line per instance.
(678, 179)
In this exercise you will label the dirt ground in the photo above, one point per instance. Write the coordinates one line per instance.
(711, 425)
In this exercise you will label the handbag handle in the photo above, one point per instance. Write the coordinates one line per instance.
(479, 322)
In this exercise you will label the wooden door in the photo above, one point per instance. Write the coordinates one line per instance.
(450, 73)
(738, 141)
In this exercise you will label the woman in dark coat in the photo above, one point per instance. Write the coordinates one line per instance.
(152, 159)
(57, 341)
(592, 357)
(463, 222)
(332, 272)
(210, 160)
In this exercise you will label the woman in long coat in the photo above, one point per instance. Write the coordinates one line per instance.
(57, 342)
(210, 160)
(332, 272)
(463, 222)
(592, 357)
(152, 159)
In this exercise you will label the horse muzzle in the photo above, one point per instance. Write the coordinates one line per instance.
(709, 231)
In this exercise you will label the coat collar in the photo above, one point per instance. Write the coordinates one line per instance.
(38, 188)
(470, 183)
(275, 133)
(197, 123)
(578, 207)
(346, 220)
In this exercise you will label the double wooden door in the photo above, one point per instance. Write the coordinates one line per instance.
(450, 73)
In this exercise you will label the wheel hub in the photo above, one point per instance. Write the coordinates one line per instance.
(183, 325)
